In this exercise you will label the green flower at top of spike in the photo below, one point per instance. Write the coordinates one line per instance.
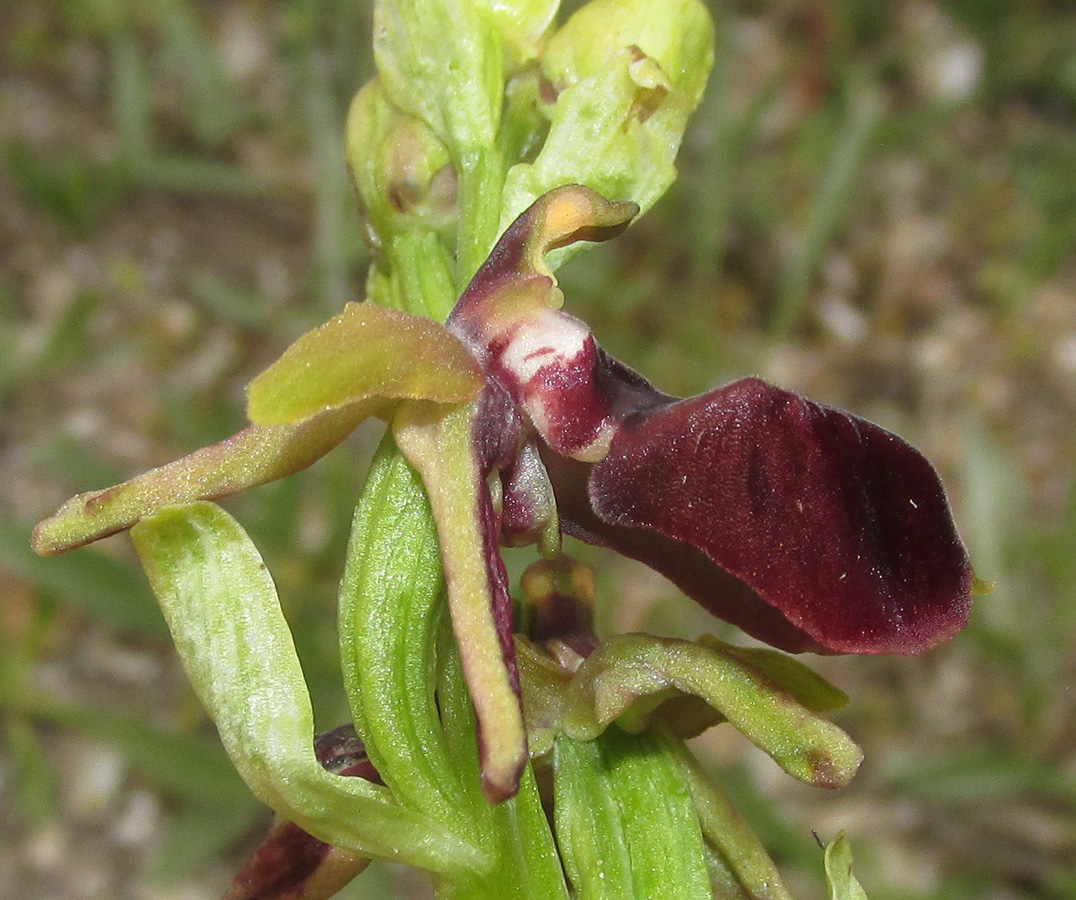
(805, 526)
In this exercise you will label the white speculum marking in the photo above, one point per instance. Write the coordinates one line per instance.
(554, 339)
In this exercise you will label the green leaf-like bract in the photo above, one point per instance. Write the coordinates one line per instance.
(222, 609)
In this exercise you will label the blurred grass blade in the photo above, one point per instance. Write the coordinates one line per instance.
(193, 58)
(827, 210)
(189, 767)
(34, 778)
(202, 833)
(107, 589)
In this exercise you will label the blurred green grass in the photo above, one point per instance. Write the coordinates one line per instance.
(877, 206)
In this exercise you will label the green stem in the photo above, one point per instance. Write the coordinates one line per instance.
(482, 176)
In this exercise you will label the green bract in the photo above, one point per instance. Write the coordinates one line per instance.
(222, 609)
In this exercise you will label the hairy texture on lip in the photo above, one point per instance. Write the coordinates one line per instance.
(689, 569)
(838, 524)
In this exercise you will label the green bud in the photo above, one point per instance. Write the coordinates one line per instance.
(676, 34)
(442, 61)
(402, 172)
(523, 25)
(623, 77)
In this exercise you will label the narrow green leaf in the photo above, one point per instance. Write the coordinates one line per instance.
(589, 824)
(655, 800)
(222, 609)
(391, 609)
(612, 796)
(741, 858)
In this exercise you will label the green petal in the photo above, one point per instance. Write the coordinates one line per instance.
(221, 606)
(439, 444)
(253, 456)
(367, 354)
(628, 675)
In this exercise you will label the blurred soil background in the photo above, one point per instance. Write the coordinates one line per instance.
(877, 207)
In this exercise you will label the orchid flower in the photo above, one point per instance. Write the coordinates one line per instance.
(807, 527)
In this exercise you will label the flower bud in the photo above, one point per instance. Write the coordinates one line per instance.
(621, 78)
(676, 34)
(523, 25)
(401, 170)
(443, 63)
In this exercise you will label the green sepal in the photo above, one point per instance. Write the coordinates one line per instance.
(625, 820)
(222, 609)
(367, 356)
(841, 882)
(254, 456)
(627, 677)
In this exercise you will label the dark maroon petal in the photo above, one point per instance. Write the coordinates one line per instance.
(689, 569)
(839, 525)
